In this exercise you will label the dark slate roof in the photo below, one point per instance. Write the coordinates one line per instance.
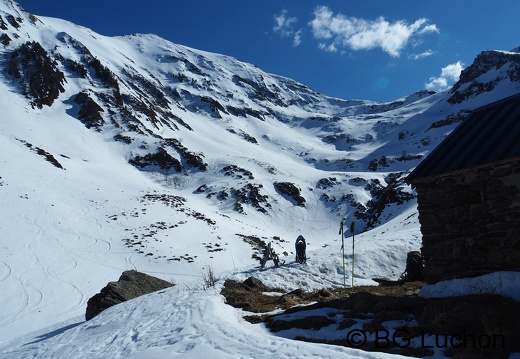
(491, 133)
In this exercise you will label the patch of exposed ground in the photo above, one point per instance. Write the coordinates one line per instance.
(387, 318)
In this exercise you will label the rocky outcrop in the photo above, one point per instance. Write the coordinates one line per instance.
(291, 191)
(161, 159)
(387, 318)
(131, 284)
(89, 111)
(254, 296)
(383, 194)
(38, 75)
(471, 84)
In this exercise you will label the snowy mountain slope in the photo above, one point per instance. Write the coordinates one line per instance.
(133, 152)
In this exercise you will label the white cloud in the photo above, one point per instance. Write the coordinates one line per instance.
(284, 25)
(297, 39)
(336, 30)
(429, 28)
(421, 55)
(449, 74)
(329, 47)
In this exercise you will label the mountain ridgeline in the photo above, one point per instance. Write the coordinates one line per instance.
(244, 140)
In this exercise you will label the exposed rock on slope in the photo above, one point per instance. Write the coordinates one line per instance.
(291, 191)
(472, 81)
(484, 326)
(31, 66)
(130, 285)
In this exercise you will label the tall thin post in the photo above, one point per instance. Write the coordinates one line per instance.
(352, 229)
(343, 249)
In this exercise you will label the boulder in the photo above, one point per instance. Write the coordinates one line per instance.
(131, 284)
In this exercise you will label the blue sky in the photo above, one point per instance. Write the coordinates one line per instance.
(376, 50)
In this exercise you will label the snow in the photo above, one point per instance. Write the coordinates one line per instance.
(169, 324)
(64, 249)
(506, 284)
(65, 233)
(61, 243)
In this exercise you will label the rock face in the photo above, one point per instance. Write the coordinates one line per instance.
(251, 296)
(37, 74)
(476, 78)
(292, 191)
(131, 284)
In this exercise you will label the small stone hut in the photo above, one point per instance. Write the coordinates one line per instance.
(468, 194)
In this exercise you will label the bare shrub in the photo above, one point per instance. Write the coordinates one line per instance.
(209, 278)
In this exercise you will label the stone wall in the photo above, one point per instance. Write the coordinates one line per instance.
(470, 221)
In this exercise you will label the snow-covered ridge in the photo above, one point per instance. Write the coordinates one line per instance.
(490, 70)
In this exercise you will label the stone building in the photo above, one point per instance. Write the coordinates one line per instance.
(468, 193)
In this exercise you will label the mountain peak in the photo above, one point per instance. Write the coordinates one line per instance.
(14, 13)
(490, 70)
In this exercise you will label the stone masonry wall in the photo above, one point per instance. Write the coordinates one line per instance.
(470, 222)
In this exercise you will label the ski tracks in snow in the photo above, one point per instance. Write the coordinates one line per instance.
(19, 281)
(5, 271)
(55, 239)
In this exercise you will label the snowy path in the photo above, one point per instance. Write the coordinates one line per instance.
(174, 323)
